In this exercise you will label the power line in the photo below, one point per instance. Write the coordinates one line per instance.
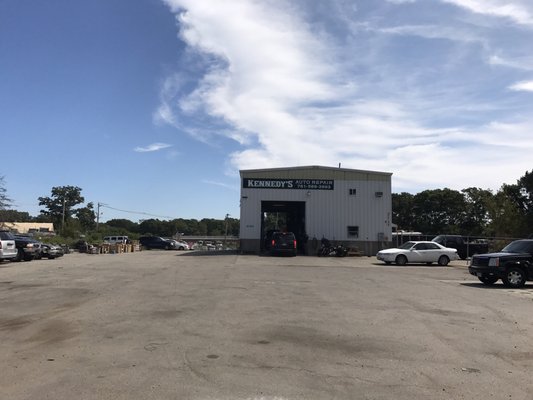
(134, 212)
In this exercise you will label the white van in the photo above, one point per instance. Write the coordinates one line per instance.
(116, 239)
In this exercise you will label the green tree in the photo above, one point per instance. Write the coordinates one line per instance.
(124, 224)
(155, 227)
(478, 203)
(439, 211)
(59, 206)
(402, 211)
(202, 227)
(233, 227)
(5, 201)
(193, 226)
(86, 217)
(181, 225)
(521, 194)
(42, 218)
(214, 227)
(506, 217)
(15, 216)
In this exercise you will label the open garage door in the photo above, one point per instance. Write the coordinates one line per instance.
(286, 216)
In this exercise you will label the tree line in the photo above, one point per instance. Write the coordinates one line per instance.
(507, 212)
(71, 218)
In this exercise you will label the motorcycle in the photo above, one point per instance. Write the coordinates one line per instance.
(328, 250)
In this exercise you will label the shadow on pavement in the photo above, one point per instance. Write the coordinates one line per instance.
(496, 286)
(196, 253)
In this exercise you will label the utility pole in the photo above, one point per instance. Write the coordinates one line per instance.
(63, 219)
(226, 231)
(98, 205)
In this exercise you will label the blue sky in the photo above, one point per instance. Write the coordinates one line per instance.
(154, 106)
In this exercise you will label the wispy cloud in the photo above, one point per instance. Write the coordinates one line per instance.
(520, 11)
(169, 89)
(221, 184)
(393, 96)
(523, 63)
(525, 86)
(434, 32)
(152, 147)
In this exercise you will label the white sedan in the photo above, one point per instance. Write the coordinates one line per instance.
(418, 252)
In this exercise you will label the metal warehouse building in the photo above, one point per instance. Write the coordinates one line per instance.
(346, 206)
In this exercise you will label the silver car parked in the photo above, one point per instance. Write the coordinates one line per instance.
(8, 249)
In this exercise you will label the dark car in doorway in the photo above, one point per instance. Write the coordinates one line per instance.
(267, 243)
(283, 243)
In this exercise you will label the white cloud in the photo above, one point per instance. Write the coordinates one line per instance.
(167, 94)
(152, 147)
(221, 184)
(291, 94)
(434, 32)
(526, 86)
(522, 63)
(520, 11)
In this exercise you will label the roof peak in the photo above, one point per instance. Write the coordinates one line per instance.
(307, 167)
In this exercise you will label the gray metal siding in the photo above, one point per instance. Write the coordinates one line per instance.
(330, 216)
(328, 212)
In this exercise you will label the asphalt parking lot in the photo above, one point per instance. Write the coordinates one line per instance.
(174, 325)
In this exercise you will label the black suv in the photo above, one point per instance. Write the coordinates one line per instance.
(283, 243)
(156, 242)
(26, 248)
(513, 265)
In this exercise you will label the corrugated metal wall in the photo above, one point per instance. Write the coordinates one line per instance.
(328, 212)
(317, 172)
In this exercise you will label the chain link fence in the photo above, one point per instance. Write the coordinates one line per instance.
(494, 243)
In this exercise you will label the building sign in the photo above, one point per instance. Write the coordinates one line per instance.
(306, 184)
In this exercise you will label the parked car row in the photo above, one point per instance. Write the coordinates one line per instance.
(157, 242)
(513, 265)
(206, 245)
(24, 248)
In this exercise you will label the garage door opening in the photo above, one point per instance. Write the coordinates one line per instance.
(282, 216)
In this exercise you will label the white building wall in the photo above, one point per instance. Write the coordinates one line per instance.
(330, 215)
(328, 212)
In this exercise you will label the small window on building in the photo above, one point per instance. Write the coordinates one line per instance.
(352, 192)
(353, 231)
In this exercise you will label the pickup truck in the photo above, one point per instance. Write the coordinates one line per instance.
(464, 248)
(513, 265)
